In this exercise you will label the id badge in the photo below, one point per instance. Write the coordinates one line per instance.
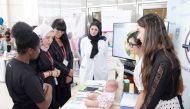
(65, 62)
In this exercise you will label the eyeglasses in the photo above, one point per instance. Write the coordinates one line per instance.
(131, 44)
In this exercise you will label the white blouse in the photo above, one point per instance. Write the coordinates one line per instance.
(137, 75)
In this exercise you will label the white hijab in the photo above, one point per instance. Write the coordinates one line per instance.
(42, 31)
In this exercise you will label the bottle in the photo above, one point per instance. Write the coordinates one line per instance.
(126, 85)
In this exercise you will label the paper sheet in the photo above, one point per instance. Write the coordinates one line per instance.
(128, 100)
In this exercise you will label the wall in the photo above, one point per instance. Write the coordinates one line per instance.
(13, 11)
(3, 10)
(178, 16)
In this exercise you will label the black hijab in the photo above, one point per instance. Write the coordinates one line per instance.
(94, 39)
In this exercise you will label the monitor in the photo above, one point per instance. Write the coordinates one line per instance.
(120, 46)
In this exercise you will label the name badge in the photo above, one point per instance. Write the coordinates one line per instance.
(65, 62)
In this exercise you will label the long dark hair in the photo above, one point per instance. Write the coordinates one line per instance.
(60, 24)
(156, 38)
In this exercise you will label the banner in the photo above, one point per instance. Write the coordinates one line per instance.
(179, 27)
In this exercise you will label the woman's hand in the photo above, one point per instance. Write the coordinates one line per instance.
(55, 72)
(46, 74)
(68, 79)
(71, 72)
(69, 76)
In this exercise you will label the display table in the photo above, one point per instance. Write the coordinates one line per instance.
(126, 101)
(115, 72)
(77, 99)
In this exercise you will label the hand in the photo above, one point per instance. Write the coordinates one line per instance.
(71, 72)
(68, 79)
(46, 74)
(58, 72)
(55, 72)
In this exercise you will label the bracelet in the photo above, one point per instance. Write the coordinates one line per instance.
(69, 76)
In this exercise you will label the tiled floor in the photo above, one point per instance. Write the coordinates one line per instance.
(5, 100)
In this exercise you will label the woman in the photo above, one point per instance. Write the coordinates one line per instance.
(63, 58)
(23, 83)
(161, 71)
(93, 54)
(45, 64)
(135, 48)
(7, 44)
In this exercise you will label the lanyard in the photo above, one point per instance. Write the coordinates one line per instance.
(64, 51)
(50, 58)
(61, 45)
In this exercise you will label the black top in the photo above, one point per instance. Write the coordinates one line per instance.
(163, 81)
(24, 86)
(58, 56)
(42, 64)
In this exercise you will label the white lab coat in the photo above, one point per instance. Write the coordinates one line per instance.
(93, 67)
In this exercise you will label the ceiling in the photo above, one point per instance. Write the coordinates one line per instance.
(86, 3)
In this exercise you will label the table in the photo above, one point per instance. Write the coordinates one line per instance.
(70, 104)
(116, 72)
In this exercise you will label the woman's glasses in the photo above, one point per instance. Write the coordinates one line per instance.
(132, 44)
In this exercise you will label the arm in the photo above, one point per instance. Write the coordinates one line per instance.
(82, 48)
(91, 103)
(106, 48)
(48, 96)
(59, 65)
(55, 73)
(103, 45)
(66, 70)
(158, 83)
(34, 90)
(70, 65)
(140, 100)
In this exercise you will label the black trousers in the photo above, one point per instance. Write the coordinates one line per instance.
(62, 94)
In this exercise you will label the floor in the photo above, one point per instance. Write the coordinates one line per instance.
(5, 100)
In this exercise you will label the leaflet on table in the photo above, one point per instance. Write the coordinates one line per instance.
(128, 99)
(95, 83)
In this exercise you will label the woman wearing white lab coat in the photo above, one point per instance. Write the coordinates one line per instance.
(93, 53)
